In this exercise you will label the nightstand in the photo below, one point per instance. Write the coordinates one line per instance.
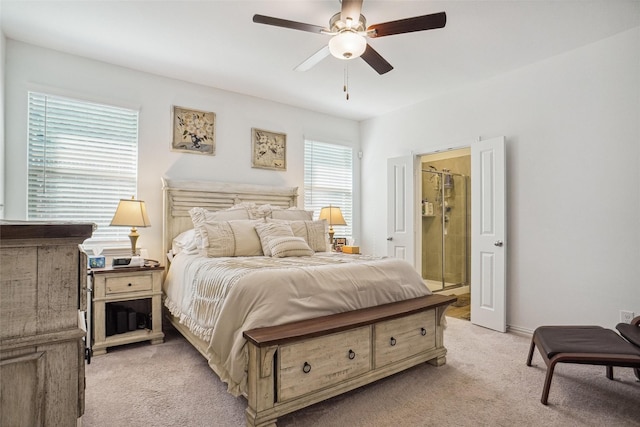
(127, 306)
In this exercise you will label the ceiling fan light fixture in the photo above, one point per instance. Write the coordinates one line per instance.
(347, 45)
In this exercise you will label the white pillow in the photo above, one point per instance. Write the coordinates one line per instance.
(289, 246)
(315, 233)
(233, 213)
(253, 211)
(231, 238)
(291, 214)
(269, 231)
(186, 242)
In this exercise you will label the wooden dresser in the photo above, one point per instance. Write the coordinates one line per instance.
(42, 288)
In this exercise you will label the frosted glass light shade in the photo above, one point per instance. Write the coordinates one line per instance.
(347, 45)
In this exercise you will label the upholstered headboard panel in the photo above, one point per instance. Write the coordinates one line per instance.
(181, 195)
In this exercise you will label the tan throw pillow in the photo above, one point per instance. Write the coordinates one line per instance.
(268, 231)
(289, 246)
(232, 238)
(200, 216)
(315, 233)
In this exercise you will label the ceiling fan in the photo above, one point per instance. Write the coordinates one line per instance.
(348, 30)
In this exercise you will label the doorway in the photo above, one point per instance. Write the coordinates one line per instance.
(487, 222)
(445, 226)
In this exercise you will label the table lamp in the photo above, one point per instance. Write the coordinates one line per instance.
(333, 215)
(131, 213)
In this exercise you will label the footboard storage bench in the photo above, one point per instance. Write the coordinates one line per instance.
(298, 364)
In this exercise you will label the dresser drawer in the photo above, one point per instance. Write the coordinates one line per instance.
(128, 283)
(324, 361)
(404, 337)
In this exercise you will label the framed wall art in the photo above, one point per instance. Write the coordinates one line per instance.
(268, 149)
(193, 131)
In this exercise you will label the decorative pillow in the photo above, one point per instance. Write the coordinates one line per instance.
(253, 211)
(186, 242)
(315, 233)
(200, 216)
(267, 231)
(231, 238)
(233, 213)
(292, 214)
(289, 246)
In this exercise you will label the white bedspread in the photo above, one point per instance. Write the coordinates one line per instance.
(219, 298)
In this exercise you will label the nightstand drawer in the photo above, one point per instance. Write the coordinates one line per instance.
(128, 283)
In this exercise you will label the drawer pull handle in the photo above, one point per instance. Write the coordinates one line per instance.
(306, 368)
(392, 341)
(352, 354)
(130, 284)
(423, 331)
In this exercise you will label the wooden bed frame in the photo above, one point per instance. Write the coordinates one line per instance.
(296, 365)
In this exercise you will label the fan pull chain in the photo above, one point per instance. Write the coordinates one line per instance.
(345, 87)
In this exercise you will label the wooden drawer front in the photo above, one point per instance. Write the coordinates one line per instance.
(124, 283)
(327, 360)
(400, 338)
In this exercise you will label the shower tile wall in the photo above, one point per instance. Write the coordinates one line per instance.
(456, 239)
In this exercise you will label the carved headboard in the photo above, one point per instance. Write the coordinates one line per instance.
(179, 196)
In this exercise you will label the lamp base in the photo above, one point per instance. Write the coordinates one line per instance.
(133, 236)
(331, 233)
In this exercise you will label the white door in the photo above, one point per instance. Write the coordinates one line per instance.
(488, 234)
(401, 208)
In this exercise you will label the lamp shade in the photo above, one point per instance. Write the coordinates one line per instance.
(131, 213)
(333, 215)
(347, 45)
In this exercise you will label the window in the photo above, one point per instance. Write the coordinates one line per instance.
(328, 180)
(83, 158)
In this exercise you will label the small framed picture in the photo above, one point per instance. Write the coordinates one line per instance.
(268, 149)
(339, 242)
(193, 131)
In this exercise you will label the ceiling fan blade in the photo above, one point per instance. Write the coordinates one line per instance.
(409, 25)
(285, 23)
(376, 61)
(351, 9)
(313, 59)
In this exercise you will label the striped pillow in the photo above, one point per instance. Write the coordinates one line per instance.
(269, 231)
(289, 246)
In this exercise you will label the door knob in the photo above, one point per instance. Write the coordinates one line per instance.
(389, 238)
(498, 243)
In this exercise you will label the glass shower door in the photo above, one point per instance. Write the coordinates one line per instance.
(445, 230)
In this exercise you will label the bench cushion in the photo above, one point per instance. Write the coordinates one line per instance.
(582, 339)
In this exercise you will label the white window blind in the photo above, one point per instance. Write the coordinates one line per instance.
(83, 158)
(328, 180)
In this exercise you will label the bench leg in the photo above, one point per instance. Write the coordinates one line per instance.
(610, 372)
(531, 349)
(547, 383)
(637, 371)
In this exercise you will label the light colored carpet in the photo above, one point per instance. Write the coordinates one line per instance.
(484, 383)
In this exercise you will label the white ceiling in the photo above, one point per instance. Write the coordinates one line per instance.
(215, 43)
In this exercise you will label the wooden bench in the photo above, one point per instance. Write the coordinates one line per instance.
(587, 345)
(298, 364)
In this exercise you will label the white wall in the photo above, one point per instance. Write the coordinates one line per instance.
(572, 125)
(2, 150)
(34, 68)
